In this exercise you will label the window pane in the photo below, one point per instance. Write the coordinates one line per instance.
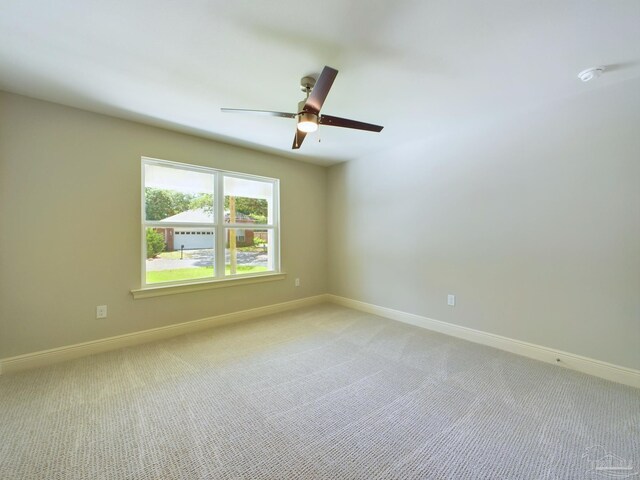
(175, 195)
(248, 251)
(179, 253)
(247, 201)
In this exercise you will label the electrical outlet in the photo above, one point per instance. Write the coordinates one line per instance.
(101, 311)
(297, 282)
(451, 300)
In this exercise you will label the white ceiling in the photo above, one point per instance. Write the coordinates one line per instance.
(417, 67)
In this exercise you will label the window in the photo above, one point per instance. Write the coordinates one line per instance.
(200, 224)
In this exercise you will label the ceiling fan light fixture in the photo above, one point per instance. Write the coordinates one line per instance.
(307, 122)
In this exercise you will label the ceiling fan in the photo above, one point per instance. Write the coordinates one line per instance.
(308, 116)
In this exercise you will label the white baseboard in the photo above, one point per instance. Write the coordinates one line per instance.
(608, 371)
(54, 355)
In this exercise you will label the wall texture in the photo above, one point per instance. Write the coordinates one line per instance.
(532, 221)
(70, 232)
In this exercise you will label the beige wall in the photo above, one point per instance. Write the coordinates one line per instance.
(70, 231)
(532, 221)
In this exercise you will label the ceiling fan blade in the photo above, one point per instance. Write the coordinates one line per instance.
(298, 139)
(320, 90)
(346, 123)
(259, 112)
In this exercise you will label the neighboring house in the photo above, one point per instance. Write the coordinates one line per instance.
(191, 238)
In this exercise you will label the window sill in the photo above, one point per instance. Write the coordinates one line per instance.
(198, 286)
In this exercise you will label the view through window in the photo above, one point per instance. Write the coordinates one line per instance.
(202, 224)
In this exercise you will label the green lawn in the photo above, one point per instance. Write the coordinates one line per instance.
(195, 273)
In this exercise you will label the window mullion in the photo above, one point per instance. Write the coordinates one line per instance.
(218, 193)
(275, 238)
(143, 237)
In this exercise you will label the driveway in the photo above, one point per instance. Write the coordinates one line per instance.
(203, 258)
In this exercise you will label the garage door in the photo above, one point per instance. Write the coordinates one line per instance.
(192, 239)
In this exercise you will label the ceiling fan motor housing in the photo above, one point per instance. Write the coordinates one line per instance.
(307, 121)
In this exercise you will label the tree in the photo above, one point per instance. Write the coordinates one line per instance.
(155, 243)
(160, 203)
(204, 202)
(256, 208)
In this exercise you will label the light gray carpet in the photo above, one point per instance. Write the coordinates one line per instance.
(324, 392)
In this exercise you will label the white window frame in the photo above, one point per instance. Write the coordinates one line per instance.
(218, 225)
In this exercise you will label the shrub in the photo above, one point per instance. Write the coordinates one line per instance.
(155, 243)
